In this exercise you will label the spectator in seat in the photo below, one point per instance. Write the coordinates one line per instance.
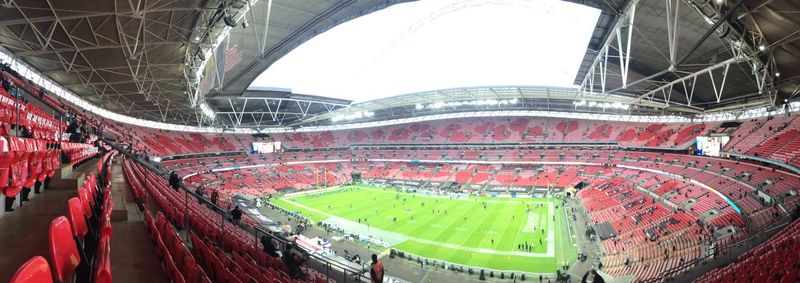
(293, 261)
(592, 277)
(13, 90)
(200, 191)
(269, 246)
(6, 84)
(236, 215)
(174, 180)
(376, 270)
(214, 197)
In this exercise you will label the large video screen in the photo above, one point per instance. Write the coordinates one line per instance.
(266, 147)
(711, 146)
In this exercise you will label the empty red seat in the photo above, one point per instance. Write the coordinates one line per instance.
(102, 273)
(77, 218)
(84, 196)
(35, 270)
(63, 250)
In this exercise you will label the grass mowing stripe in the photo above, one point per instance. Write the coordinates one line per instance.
(448, 237)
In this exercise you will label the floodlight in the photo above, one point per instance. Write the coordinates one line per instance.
(229, 21)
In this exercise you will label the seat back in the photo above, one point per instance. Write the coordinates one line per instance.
(77, 218)
(103, 261)
(87, 207)
(35, 270)
(63, 250)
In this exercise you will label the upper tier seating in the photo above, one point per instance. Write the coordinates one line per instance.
(733, 179)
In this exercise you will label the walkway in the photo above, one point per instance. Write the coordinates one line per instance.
(133, 255)
(24, 232)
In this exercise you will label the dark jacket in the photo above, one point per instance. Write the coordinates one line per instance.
(597, 278)
(214, 197)
(236, 214)
(174, 181)
(269, 246)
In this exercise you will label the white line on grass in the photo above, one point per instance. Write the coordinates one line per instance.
(550, 249)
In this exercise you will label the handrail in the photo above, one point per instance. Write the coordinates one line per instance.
(256, 231)
(202, 154)
(686, 267)
(764, 160)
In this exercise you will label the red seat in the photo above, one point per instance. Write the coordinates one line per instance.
(35, 270)
(63, 250)
(84, 196)
(76, 217)
(19, 165)
(7, 157)
(103, 261)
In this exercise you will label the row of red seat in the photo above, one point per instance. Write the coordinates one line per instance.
(24, 162)
(37, 122)
(146, 184)
(643, 230)
(80, 243)
(735, 180)
(78, 152)
(506, 129)
(178, 261)
(776, 260)
(772, 138)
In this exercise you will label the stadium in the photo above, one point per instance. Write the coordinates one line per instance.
(400, 141)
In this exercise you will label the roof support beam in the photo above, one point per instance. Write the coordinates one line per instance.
(706, 71)
(599, 65)
(89, 48)
(722, 19)
(673, 29)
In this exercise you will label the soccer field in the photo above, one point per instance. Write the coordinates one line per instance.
(480, 231)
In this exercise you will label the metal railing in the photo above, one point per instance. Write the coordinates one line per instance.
(326, 266)
(724, 254)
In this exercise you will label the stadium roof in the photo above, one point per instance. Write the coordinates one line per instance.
(430, 45)
(721, 54)
(149, 59)
(141, 58)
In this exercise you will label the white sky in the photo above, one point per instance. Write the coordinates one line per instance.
(437, 44)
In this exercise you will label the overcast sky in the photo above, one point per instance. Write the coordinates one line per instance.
(436, 44)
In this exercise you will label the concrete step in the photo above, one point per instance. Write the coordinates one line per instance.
(120, 192)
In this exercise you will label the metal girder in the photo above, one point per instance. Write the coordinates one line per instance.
(75, 14)
(86, 31)
(209, 29)
(599, 65)
(279, 99)
(274, 108)
(666, 89)
(90, 48)
(740, 46)
(160, 80)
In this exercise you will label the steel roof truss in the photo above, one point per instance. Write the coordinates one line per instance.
(673, 15)
(600, 62)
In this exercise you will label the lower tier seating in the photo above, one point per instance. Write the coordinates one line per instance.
(246, 262)
(777, 260)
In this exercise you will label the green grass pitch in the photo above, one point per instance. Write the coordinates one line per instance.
(456, 231)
